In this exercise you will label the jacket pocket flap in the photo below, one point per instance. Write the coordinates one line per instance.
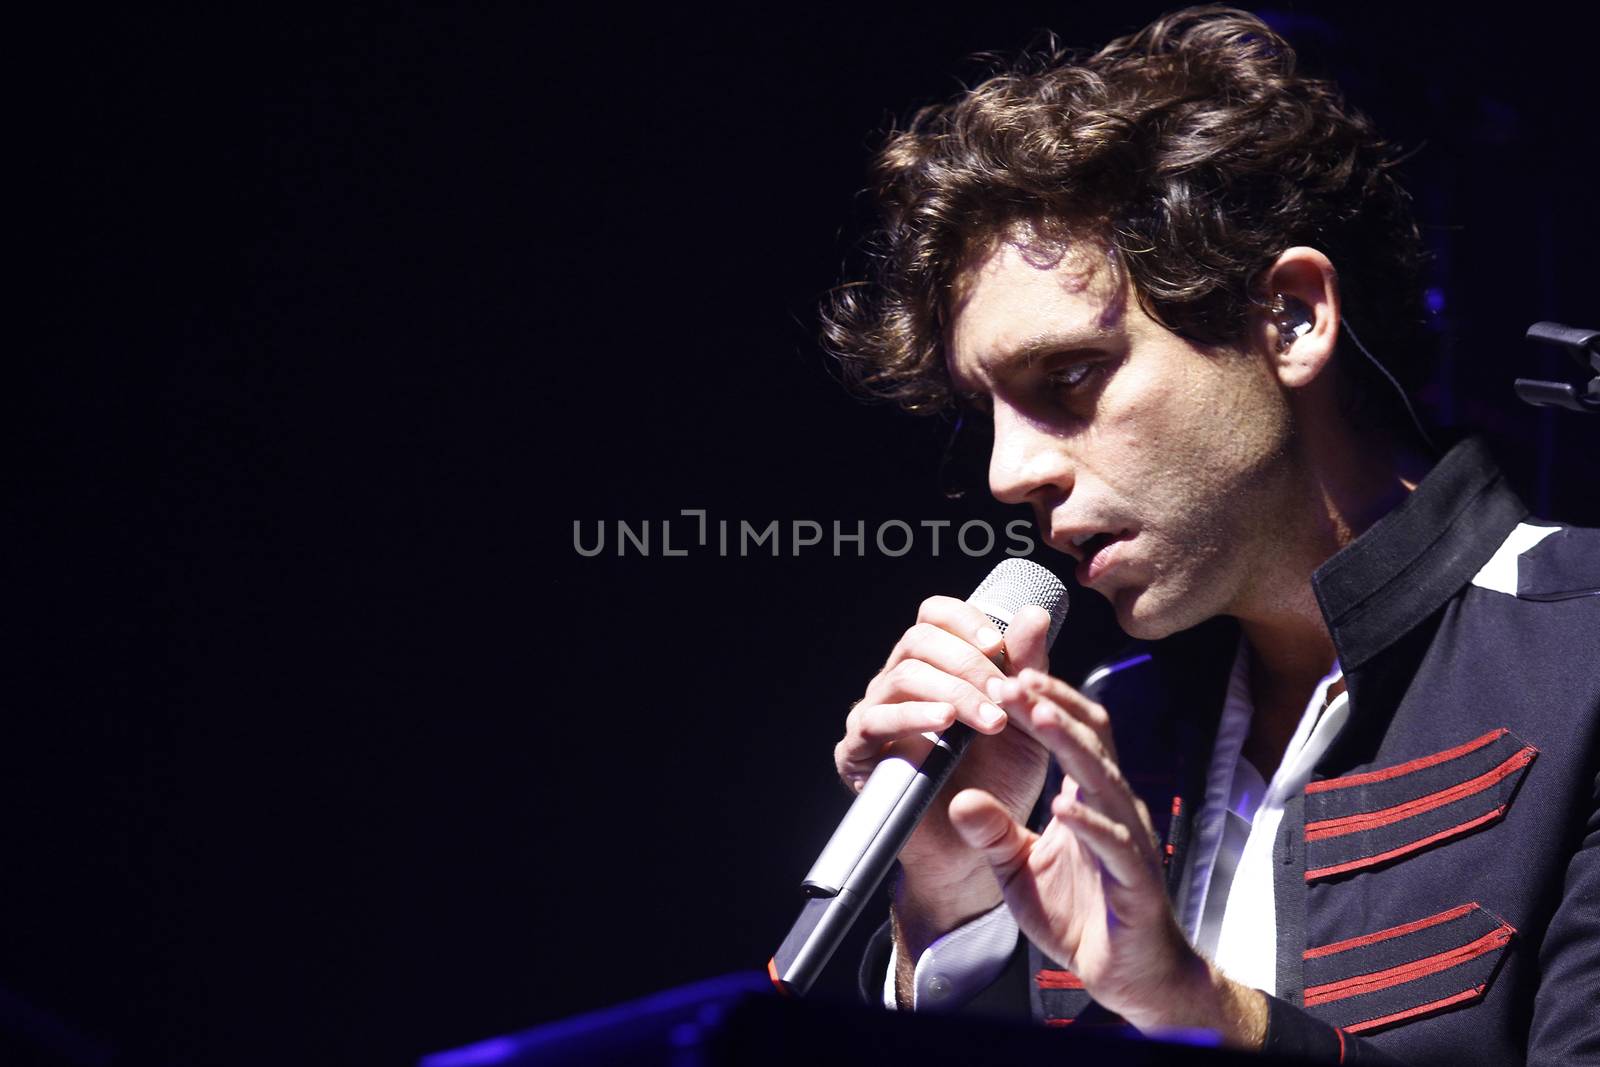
(1377, 817)
(1406, 972)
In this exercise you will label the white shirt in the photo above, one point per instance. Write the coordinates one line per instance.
(1226, 895)
(1227, 890)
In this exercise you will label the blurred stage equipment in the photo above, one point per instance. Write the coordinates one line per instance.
(1584, 347)
(736, 1020)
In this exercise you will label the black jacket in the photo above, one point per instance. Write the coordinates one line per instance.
(1438, 890)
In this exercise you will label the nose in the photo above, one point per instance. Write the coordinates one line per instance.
(1027, 464)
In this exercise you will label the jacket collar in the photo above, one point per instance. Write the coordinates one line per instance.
(1386, 582)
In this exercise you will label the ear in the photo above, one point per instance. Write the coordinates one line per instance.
(1310, 289)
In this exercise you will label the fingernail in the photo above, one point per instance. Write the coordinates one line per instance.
(988, 637)
(1032, 678)
(989, 715)
(996, 688)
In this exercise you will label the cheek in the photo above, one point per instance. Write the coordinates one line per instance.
(1157, 445)
(1226, 432)
(1181, 449)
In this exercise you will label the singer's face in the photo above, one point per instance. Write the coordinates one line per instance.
(1168, 456)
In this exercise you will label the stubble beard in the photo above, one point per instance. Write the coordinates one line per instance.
(1228, 554)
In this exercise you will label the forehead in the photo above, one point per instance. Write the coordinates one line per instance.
(1023, 292)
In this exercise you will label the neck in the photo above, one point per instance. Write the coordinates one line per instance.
(1338, 481)
(1344, 482)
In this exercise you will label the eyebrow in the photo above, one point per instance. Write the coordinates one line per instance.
(1032, 349)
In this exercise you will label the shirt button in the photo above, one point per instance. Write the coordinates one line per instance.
(938, 987)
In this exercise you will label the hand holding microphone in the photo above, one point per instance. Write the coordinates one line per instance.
(936, 677)
(1088, 890)
(932, 681)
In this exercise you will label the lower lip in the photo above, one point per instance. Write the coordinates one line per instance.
(1102, 562)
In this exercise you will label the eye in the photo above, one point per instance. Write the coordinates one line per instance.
(1074, 378)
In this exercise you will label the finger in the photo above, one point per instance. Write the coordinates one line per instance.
(879, 724)
(871, 729)
(1116, 845)
(1145, 820)
(1027, 646)
(854, 768)
(1101, 784)
(914, 679)
(1009, 695)
(950, 653)
(986, 827)
(1074, 744)
(1074, 703)
(961, 619)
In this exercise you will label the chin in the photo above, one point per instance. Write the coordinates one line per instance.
(1146, 618)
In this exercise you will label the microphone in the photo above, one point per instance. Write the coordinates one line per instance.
(887, 810)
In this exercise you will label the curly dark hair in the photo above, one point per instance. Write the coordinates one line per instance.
(1193, 149)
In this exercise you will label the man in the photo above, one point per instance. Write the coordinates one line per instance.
(1367, 709)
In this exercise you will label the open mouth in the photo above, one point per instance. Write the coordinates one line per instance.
(1096, 559)
(1093, 543)
(1096, 543)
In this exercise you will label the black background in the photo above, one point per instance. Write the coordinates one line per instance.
(322, 743)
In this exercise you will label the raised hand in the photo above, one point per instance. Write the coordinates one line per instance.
(1089, 890)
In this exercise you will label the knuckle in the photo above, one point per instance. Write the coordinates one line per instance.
(902, 674)
(856, 757)
(965, 696)
(841, 759)
(917, 640)
(974, 662)
(924, 681)
(881, 683)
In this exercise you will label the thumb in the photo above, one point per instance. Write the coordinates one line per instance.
(1026, 640)
(987, 827)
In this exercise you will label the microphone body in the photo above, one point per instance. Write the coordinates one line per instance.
(886, 812)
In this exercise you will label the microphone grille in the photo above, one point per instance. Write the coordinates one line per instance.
(1014, 584)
